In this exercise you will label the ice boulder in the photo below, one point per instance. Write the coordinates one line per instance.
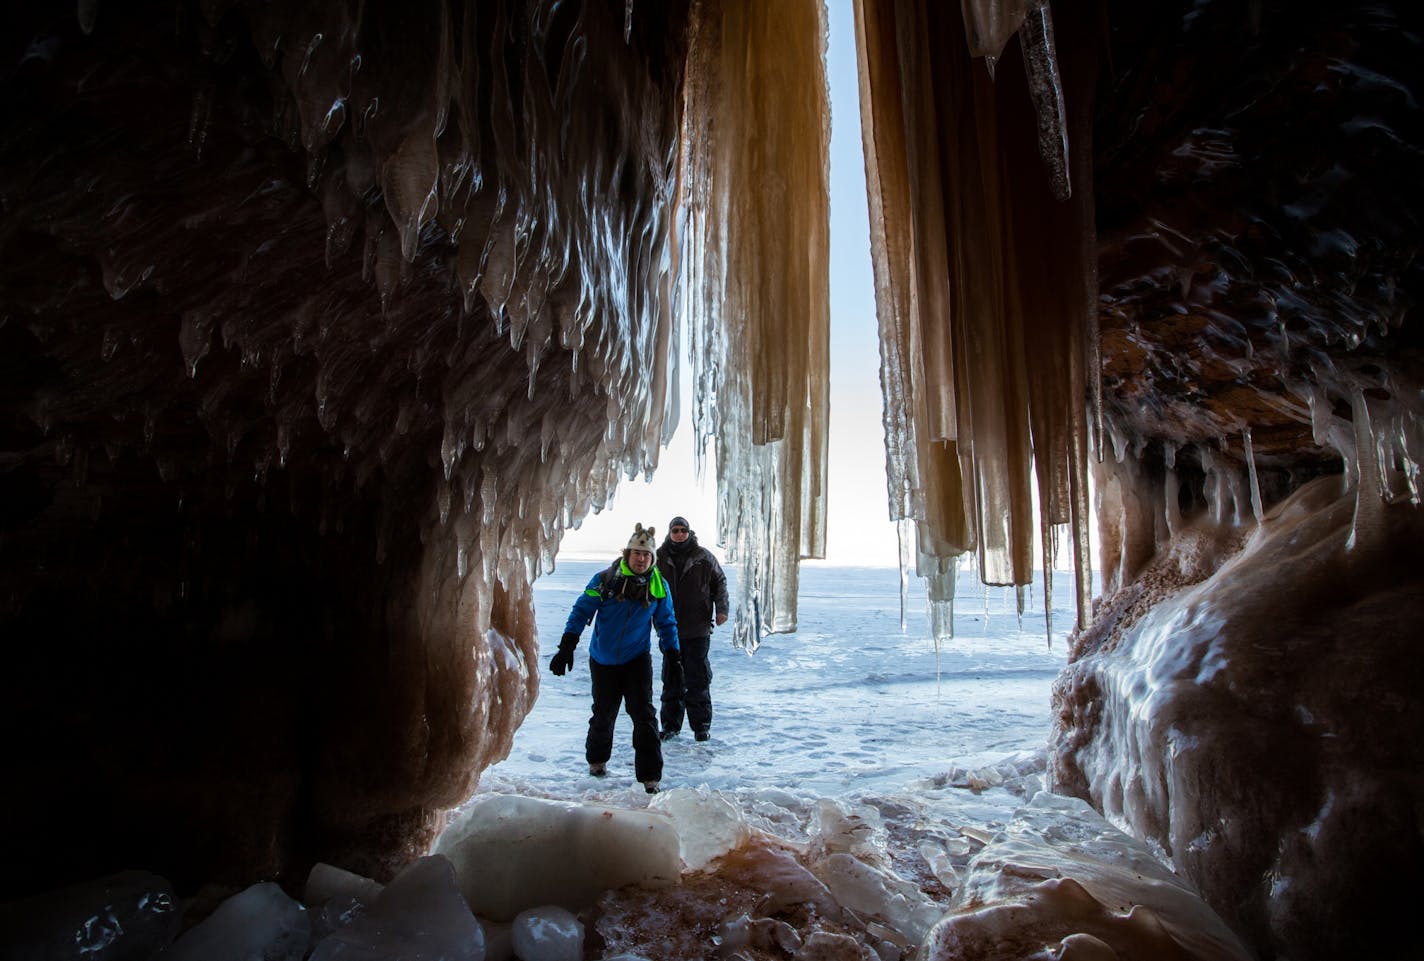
(125, 916)
(326, 881)
(548, 934)
(336, 897)
(708, 825)
(512, 853)
(420, 914)
(1060, 881)
(258, 922)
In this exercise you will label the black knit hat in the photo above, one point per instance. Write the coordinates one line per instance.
(679, 522)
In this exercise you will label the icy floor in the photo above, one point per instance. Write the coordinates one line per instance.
(849, 707)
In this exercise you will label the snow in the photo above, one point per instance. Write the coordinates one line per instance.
(847, 706)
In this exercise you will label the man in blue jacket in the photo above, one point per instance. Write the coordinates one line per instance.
(624, 602)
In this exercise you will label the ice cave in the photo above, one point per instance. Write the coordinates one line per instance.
(322, 322)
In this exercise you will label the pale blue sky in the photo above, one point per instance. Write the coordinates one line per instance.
(859, 531)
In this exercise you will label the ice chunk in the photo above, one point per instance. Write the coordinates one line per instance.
(420, 914)
(259, 922)
(126, 915)
(708, 825)
(878, 893)
(325, 881)
(336, 898)
(1062, 878)
(549, 933)
(844, 827)
(511, 853)
(830, 946)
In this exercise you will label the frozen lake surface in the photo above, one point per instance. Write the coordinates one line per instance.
(849, 706)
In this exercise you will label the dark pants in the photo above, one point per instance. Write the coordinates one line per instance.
(696, 697)
(632, 685)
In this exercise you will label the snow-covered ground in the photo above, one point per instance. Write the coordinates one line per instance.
(849, 706)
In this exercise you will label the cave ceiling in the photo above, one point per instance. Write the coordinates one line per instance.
(1256, 169)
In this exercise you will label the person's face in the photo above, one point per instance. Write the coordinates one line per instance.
(640, 561)
(678, 534)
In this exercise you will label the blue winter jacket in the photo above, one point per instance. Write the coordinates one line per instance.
(622, 629)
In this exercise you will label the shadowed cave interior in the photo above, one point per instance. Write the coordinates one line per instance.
(320, 323)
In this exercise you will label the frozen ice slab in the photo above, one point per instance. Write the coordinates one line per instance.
(708, 824)
(258, 922)
(511, 853)
(420, 914)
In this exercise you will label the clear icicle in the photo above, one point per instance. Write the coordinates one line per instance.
(1256, 508)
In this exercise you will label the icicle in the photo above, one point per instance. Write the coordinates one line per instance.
(88, 15)
(1369, 501)
(1041, 65)
(904, 532)
(1256, 509)
(1172, 505)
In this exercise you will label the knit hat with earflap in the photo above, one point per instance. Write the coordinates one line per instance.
(643, 539)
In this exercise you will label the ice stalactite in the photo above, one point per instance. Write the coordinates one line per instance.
(984, 284)
(755, 198)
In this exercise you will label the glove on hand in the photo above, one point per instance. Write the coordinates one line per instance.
(672, 671)
(564, 660)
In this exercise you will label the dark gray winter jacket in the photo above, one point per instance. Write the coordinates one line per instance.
(696, 582)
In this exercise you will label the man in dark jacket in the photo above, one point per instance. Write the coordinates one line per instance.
(699, 596)
(626, 603)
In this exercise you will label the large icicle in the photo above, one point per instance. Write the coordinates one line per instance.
(984, 280)
(756, 206)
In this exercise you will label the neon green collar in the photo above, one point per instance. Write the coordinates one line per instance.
(656, 585)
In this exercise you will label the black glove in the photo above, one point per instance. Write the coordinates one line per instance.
(564, 660)
(672, 672)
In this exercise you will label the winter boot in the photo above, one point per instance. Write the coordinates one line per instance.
(650, 786)
(702, 734)
(598, 770)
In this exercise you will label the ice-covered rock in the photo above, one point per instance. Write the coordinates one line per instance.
(511, 853)
(548, 933)
(125, 916)
(258, 922)
(708, 824)
(420, 914)
(1227, 722)
(1062, 882)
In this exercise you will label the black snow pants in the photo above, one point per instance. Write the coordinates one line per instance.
(632, 685)
(696, 695)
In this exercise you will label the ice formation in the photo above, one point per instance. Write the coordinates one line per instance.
(1234, 686)
(515, 853)
(756, 283)
(983, 288)
(1061, 882)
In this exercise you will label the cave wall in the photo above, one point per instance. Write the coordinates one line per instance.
(307, 358)
(1245, 696)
